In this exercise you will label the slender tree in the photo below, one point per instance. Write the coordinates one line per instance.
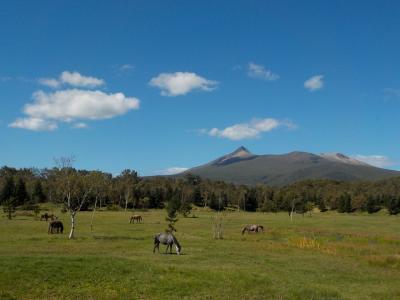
(74, 188)
(21, 195)
(8, 189)
(172, 209)
(9, 207)
(38, 195)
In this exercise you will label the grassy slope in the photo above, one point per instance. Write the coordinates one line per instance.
(327, 256)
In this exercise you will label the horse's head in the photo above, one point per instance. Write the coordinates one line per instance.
(244, 229)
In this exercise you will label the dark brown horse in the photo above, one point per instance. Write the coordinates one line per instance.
(137, 218)
(56, 227)
(46, 217)
(253, 228)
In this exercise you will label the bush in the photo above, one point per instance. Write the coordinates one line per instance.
(394, 206)
(371, 206)
(9, 207)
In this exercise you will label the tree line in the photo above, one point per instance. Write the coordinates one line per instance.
(87, 190)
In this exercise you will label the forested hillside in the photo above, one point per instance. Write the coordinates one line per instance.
(26, 188)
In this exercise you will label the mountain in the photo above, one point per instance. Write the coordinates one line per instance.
(244, 167)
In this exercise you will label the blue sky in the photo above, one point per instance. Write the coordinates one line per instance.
(153, 85)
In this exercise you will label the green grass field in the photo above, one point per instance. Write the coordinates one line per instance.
(326, 256)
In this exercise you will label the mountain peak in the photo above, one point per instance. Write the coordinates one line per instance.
(241, 149)
(239, 154)
(342, 158)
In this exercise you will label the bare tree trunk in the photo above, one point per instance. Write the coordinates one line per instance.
(94, 210)
(291, 213)
(71, 233)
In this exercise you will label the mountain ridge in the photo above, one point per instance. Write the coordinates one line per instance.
(243, 167)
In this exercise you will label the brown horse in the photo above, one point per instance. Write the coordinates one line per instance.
(253, 228)
(137, 218)
(55, 227)
(46, 217)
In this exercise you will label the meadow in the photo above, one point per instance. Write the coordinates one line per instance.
(323, 256)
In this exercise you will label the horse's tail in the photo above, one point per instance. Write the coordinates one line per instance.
(61, 227)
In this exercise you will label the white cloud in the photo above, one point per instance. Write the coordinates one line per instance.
(380, 161)
(35, 124)
(74, 104)
(73, 79)
(314, 83)
(250, 130)
(171, 171)
(259, 72)
(50, 82)
(181, 83)
(126, 67)
(79, 125)
(76, 79)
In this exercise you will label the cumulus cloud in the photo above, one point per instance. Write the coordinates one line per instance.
(171, 171)
(380, 161)
(181, 83)
(260, 72)
(73, 79)
(250, 130)
(72, 105)
(35, 124)
(314, 83)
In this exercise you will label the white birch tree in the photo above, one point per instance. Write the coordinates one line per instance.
(73, 188)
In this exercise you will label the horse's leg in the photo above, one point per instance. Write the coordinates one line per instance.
(155, 246)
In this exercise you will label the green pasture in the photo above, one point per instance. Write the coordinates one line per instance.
(323, 256)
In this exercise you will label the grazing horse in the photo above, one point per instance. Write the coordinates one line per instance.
(137, 218)
(252, 228)
(166, 239)
(46, 217)
(55, 227)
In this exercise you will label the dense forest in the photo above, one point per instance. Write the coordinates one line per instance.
(27, 188)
